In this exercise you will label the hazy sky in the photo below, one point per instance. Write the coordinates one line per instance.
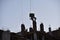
(15, 12)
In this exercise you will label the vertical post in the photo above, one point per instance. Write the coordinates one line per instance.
(42, 37)
(6, 35)
(35, 36)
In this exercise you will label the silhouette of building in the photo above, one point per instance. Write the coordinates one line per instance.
(33, 34)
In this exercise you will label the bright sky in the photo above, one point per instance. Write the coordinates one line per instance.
(15, 12)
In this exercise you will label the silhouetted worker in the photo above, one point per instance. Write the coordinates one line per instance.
(33, 18)
(49, 29)
(22, 27)
(41, 27)
(30, 29)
